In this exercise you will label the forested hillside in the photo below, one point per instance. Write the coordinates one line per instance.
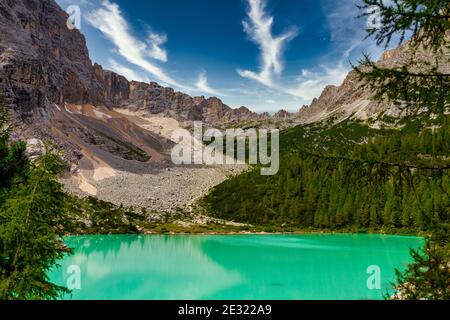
(348, 176)
(381, 174)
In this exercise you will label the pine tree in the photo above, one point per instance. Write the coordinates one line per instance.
(414, 86)
(12, 158)
(31, 231)
(32, 215)
(429, 276)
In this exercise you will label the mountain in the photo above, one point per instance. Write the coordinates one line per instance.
(57, 94)
(354, 164)
(115, 133)
(156, 99)
(52, 86)
(354, 100)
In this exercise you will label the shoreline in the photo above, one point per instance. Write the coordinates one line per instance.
(242, 234)
(102, 218)
(202, 230)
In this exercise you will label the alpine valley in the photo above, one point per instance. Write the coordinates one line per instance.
(355, 160)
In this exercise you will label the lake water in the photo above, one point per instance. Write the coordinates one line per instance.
(232, 267)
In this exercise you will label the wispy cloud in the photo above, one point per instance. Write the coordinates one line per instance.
(347, 31)
(203, 85)
(156, 52)
(347, 35)
(109, 20)
(265, 87)
(258, 27)
(126, 72)
(311, 84)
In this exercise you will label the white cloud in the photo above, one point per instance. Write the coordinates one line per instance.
(126, 72)
(348, 42)
(348, 32)
(311, 84)
(156, 52)
(348, 36)
(268, 89)
(109, 20)
(258, 26)
(202, 84)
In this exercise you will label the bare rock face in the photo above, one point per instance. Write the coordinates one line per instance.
(35, 148)
(43, 63)
(116, 87)
(283, 115)
(353, 99)
(41, 60)
(155, 99)
(54, 91)
(43, 66)
(342, 102)
(56, 94)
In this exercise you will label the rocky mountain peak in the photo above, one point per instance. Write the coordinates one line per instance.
(43, 63)
(353, 99)
(283, 115)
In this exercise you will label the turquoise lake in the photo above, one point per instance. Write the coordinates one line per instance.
(232, 267)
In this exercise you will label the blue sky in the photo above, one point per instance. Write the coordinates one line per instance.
(263, 54)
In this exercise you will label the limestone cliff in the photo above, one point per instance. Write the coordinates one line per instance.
(56, 93)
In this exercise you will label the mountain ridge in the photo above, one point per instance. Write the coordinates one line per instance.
(116, 134)
(44, 66)
(354, 99)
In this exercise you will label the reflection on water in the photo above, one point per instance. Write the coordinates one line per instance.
(233, 267)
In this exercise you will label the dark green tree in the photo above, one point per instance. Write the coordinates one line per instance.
(429, 276)
(31, 230)
(12, 159)
(420, 81)
(32, 216)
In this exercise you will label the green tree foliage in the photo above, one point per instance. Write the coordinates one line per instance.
(349, 176)
(429, 276)
(418, 84)
(32, 216)
(35, 214)
(395, 180)
(12, 159)
(427, 20)
(31, 230)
